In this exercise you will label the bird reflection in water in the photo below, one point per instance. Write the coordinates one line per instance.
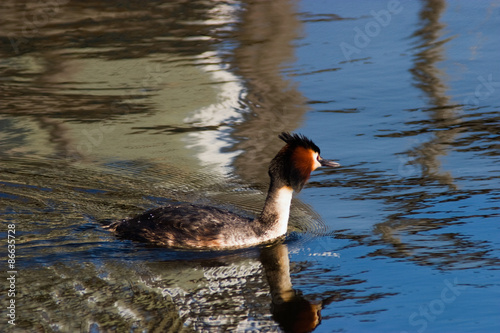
(290, 309)
(229, 292)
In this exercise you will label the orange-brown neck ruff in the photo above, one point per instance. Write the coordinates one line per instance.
(303, 164)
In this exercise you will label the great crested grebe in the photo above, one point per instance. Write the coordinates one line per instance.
(186, 225)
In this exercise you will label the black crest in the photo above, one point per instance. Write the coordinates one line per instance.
(298, 140)
(284, 168)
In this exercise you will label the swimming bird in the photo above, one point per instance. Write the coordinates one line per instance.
(186, 225)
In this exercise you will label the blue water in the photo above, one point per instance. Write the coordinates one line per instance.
(111, 109)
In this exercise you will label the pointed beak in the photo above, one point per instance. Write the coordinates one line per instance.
(329, 163)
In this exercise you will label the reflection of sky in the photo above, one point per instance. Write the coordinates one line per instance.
(209, 146)
(376, 94)
(374, 115)
(222, 114)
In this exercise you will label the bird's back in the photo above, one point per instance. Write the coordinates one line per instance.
(188, 226)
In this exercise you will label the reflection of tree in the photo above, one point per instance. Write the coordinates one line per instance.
(409, 231)
(265, 36)
(428, 78)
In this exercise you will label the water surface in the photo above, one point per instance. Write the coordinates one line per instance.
(108, 109)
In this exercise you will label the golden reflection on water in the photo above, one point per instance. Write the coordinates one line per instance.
(105, 121)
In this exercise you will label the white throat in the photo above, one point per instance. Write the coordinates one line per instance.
(282, 202)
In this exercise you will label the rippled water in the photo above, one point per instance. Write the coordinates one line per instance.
(111, 108)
